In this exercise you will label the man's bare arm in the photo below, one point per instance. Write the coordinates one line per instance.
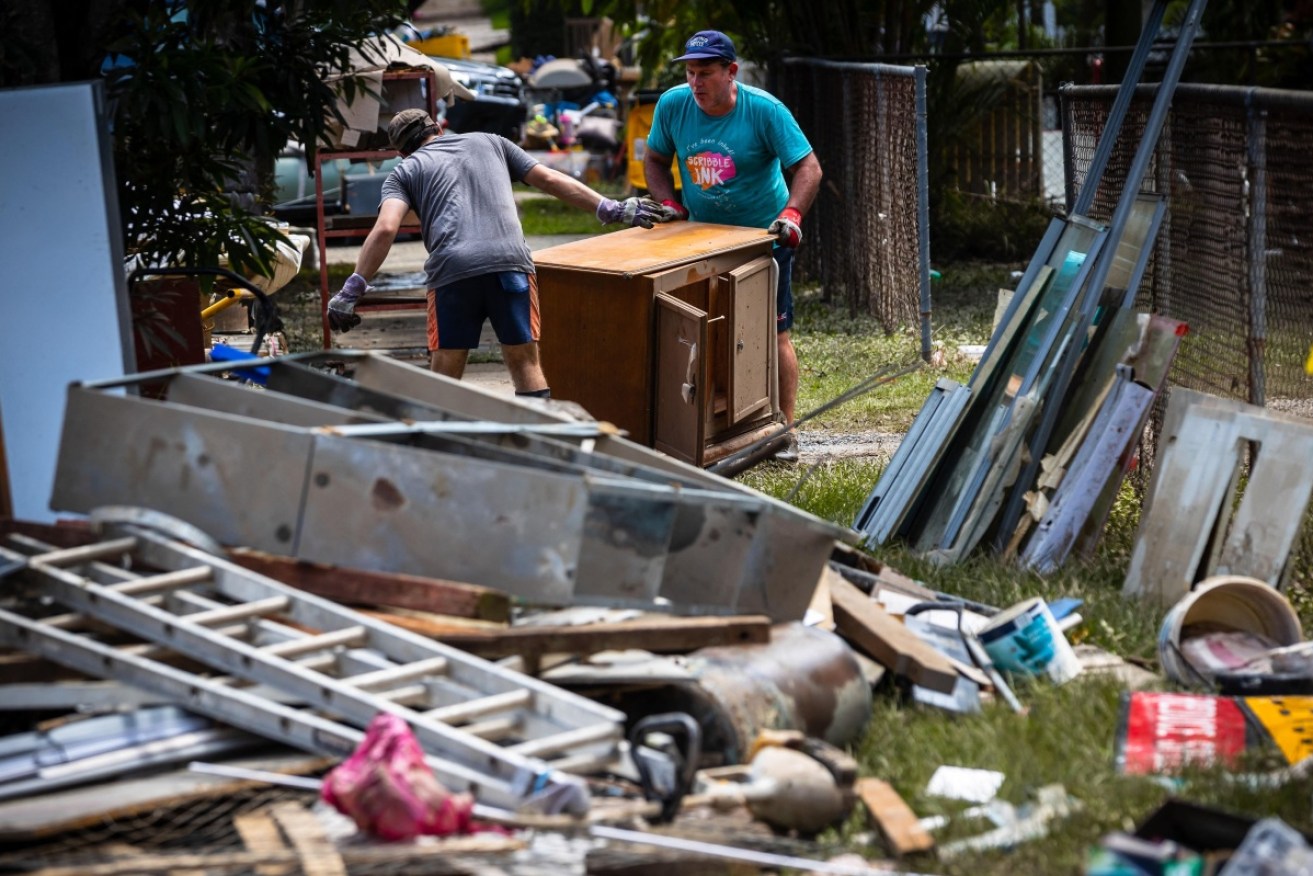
(656, 172)
(804, 183)
(379, 242)
(563, 187)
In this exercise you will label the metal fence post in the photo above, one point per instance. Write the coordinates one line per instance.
(923, 206)
(1256, 228)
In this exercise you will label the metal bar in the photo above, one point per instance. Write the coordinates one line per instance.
(405, 672)
(459, 712)
(85, 554)
(239, 612)
(1112, 127)
(1065, 365)
(164, 581)
(353, 636)
(1256, 239)
(923, 208)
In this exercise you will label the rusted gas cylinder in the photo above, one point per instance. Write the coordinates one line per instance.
(804, 679)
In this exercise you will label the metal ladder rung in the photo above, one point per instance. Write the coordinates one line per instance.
(466, 711)
(317, 662)
(562, 741)
(400, 673)
(150, 649)
(258, 608)
(89, 553)
(352, 636)
(73, 619)
(497, 728)
(411, 693)
(584, 763)
(164, 581)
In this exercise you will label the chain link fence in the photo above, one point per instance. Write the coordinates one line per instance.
(869, 233)
(1234, 258)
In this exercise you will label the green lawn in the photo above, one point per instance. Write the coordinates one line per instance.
(1068, 735)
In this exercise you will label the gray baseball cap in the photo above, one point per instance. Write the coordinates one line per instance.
(408, 128)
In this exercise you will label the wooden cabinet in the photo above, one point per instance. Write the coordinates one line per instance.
(669, 333)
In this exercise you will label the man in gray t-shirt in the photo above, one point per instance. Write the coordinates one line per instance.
(479, 267)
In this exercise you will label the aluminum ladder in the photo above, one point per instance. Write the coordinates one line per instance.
(510, 739)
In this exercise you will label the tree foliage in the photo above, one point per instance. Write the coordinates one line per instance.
(198, 92)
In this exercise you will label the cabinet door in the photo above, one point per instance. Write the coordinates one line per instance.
(681, 379)
(750, 298)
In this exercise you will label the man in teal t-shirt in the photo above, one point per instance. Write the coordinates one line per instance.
(735, 144)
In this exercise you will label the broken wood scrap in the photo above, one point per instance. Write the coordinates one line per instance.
(260, 835)
(362, 587)
(660, 635)
(61, 533)
(891, 817)
(873, 630)
(40, 816)
(314, 850)
(443, 856)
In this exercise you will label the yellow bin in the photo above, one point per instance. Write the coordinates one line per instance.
(451, 45)
(637, 124)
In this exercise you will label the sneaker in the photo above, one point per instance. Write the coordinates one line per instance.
(789, 452)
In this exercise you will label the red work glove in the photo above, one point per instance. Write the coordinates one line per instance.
(674, 210)
(787, 227)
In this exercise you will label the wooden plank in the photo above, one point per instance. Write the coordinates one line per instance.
(260, 835)
(660, 636)
(1190, 483)
(315, 851)
(872, 630)
(1271, 513)
(438, 857)
(44, 815)
(360, 587)
(892, 818)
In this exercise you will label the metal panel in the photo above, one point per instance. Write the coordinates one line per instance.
(402, 509)
(239, 480)
(494, 503)
(752, 334)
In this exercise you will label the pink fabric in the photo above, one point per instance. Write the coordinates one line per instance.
(387, 788)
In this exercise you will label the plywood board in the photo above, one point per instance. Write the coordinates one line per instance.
(644, 250)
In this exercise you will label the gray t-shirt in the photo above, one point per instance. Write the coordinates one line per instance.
(460, 187)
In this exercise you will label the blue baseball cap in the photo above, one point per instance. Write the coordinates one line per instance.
(708, 44)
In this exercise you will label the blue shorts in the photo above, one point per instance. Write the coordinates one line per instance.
(509, 299)
(783, 256)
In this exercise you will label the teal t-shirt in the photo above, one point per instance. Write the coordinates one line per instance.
(731, 166)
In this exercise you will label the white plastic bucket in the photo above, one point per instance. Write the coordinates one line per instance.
(1225, 602)
(1025, 639)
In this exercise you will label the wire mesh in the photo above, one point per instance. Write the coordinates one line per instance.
(862, 121)
(1234, 258)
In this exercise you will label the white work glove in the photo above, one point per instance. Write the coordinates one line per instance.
(631, 211)
(342, 316)
(673, 211)
(787, 228)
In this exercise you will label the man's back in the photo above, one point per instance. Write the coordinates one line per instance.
(460, 187)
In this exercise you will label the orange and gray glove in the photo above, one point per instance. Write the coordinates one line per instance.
(631, 211)
(673, 210)
(342, 316)
(787, 227)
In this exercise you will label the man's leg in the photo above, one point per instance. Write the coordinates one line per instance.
(526, 371)
(455, 318)
(788, 367)
(449, 363)
(786, 356)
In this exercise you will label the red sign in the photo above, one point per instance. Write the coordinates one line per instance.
(1163, 732)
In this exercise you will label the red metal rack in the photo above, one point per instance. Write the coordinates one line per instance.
(327, 227)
